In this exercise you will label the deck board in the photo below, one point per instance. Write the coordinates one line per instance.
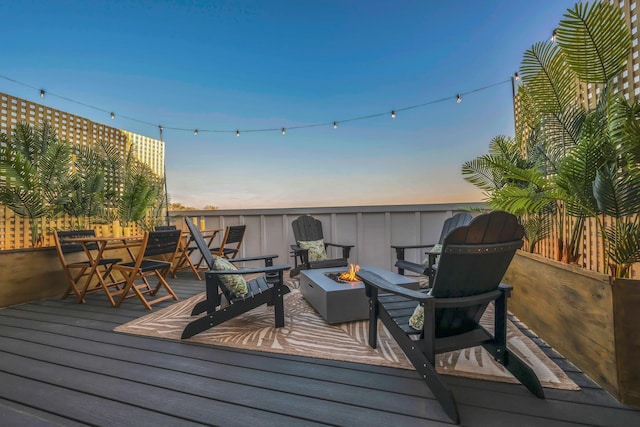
(55, 353)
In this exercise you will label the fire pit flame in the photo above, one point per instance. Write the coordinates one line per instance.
(350, 275)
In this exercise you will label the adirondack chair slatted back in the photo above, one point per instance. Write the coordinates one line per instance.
(474, 259)
(200, 242)
(306, 228)
(458, 220)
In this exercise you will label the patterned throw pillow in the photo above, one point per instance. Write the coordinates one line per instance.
(436, 249)
(316, 249)
(235, 283)
(416, 321)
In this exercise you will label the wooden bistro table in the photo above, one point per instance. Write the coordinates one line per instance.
(95, 249)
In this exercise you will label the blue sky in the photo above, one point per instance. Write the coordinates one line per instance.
(252, 65)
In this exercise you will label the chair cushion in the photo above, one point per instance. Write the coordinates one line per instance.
(316, 249)
(235, 283)
(416, 321)
(436, 249)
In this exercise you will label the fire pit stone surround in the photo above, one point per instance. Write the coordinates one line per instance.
(339, 302)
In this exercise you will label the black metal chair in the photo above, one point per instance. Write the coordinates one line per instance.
(308, 230)
(473, 261)
(154, 258)
(428, 268)
(268, 289)
(77, 270)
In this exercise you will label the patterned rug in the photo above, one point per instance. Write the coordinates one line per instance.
(307, 334)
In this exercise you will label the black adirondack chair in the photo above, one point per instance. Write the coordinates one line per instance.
(308, 229)
(268, 289)
(474, 258)
(428, 268)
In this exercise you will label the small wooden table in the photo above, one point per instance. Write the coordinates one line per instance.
(89, 244)
(343, 302)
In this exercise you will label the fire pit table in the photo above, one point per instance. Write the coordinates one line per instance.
(339, 302)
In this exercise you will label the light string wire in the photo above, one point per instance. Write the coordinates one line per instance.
(198, 130)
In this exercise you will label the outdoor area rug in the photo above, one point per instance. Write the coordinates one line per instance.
(307, 334)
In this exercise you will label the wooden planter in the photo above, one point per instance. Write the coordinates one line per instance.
(587, 317)
(30, 274)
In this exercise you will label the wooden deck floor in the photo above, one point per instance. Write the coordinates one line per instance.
(61, 364)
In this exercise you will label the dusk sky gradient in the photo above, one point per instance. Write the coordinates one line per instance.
(251, 65)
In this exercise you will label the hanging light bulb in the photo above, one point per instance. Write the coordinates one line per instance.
(459, 99)
(238, 133)
(41, 93)
(554, 36)
(284, 131)
(113, 115)
(393, 114)
(335, 125)
(195, 132)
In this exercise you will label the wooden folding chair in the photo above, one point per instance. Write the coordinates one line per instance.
(231, 242)
(79, 272)
(155, 257)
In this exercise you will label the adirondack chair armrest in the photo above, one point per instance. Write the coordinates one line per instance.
(372, 279)
(268, 259)
(346, 249)
(400, 249)
(506, 289)
(337, 245)
(270, 269)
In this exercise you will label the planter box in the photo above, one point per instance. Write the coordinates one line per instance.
(30, 274)
(588, 318)
(33, 274)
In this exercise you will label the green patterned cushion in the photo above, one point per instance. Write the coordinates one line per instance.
(416, 321)
(235, 283)
(316, 249)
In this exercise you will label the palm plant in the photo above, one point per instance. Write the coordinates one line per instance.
(580, 163)
(85, 203)
(34, 174)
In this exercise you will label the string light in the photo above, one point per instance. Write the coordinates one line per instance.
(393, 114)
(335, 123)
(195, 132)
(284, 131)
(113, 115)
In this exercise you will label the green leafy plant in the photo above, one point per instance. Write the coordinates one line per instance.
(573, 163)
(34, 175)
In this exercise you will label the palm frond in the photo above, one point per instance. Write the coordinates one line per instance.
(616, 191)
(550, 85)
(595, 40)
